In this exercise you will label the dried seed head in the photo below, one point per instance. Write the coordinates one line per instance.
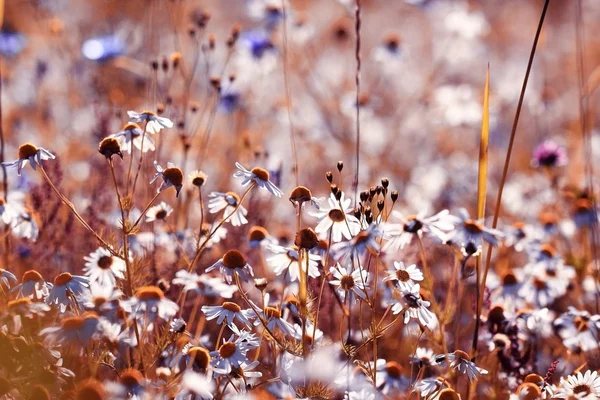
(201, 357)
(509, 279)
(154, 65)
(165, 64)
(347, 282)
(175, 176)
(394, 196)
(329, 176)
(32, 275)
(364, 196)
(306, 239)
(175, 59)
(272, 312)
(448, 394)
(109, 146)
(357, 213)
(334, 188)
(300, 194)
(338, 195)
(63, 279)
(149, 293)
(393, 369)
(160, 108)
(385, 182)
(234, 259)
(27, 150)
(380, 205)
(211, 41)
(131, 377)
(260, 284)
(340, 165)
(39, 392)
(90, 389)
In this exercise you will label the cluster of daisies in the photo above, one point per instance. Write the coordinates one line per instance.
(307, 318)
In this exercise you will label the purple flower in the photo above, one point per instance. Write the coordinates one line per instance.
(549, 154)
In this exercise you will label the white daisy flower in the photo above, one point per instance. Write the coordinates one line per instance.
(405, 276)
(337, 216)
(429, 386)
(244, 371)
(413, 306)
(228, 311)
(347, 282)
(32, 154)
(470, 234)
(102, 267)
(78, 330)
(66, 289)
(364, 241)
(132, 134)
(233, 262)
(154, 123)
(203, 285)
(423, 356)
(172, 176)
(8, 212)
(24, 226)
(158, 212)
(6, 277)
(228, 202)
(231, 354)
(285, 259)
(104, 299)
(579, 386)
(148, 303)
(460, 361)
(33, 286)
(401, 234)
(274, 319)
(196, 386)
(258, 175)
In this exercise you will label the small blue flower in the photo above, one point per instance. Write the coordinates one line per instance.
(11, 43)
(103, 48)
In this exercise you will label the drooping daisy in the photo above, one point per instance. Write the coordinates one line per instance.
(460, 361)
(347, 282)
(148, 303)
(228, 311)
(158, 212)
(400, 234)
(102, 267)
(74, 330)
(33, 286)
(228, 202)
(133, 135)
(172, 176)
(413, 306)
(470, 234)
(274, 319)
(364, 241)
(579, 386)
(32, 154)
(154, 123)
(285, 259)
(6, 277)
(103, 299)
(337, 216)
(259, 176)
(429, 386)
(405, 276)
(233, 262)
(66, 289)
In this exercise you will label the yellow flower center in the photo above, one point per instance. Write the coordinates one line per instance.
(227, 349)
(336, 215)
(393, 369)
(260, 173)
(234, 259)
(32, 275)
(27, 150)
(229, 306)
(272, 312)
(347, 282)
(63, 279)
(147, 293)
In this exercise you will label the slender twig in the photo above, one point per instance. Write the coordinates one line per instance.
(357, 25)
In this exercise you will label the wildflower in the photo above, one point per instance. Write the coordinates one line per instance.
(461, 361)
(74, 330)
(158, 212)
(5, 277)
(204, 285)
(578, 329)
(429, 386)
(198, 357)
(413, 306)
(338, 218)
(90, 389)
(231, 354)
(549, 154)
(258, 235)
(423, 356)
(230, 203)
(33, 286)
(401, 234)
(197, 178)
(228, 311)
(66, 289)
(233, 262)
(389, 377)
(522, 236)
(8, 212)
(131, 385)
(196, 386)
(103, 48)
(103, 299)
(102, 267)
(32, 154)
(244, 371)
(177, 325)
(154, 123)
(132, 134)
(311, 331)
(364, 241)
(24, 226)
(259, 176)
(148, 303)
(25, 308)
(347, 282)
(274, 319)
(579, 386)
(470, 234)
(405, 276)
(172, 176)
(285, 259)
(110, 146)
